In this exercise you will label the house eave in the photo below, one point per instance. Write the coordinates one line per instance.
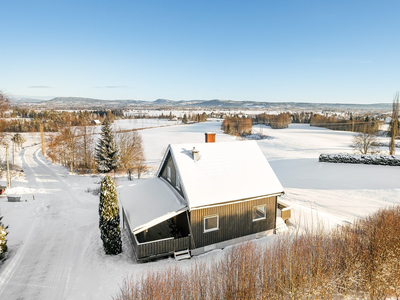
(234, 201)
(158, 221)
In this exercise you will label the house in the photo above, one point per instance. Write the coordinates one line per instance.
(205, 196)
(96, 122)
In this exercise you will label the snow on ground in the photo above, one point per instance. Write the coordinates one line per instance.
(55, 250)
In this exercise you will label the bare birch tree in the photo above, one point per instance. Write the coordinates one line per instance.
(131, 152)
(394, 124)
(364, 142)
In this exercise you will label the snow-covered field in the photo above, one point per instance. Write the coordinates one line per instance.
(54, 242)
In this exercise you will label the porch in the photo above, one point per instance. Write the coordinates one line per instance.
(159, 248)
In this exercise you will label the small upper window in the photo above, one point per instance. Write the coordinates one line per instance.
(177, 181)
(169, 173)
(211, 223)
(259, 212)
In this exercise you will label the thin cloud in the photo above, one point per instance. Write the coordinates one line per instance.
(112, 87)
(39, 87)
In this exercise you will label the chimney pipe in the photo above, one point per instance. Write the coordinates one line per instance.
(210, 137)
(196, 155)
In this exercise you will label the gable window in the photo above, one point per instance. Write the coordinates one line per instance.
(169, 173)
(211, 223)
(259, 212)
(177, 181)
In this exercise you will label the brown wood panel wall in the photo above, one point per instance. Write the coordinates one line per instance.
(235, 220)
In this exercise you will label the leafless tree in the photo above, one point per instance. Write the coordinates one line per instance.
(364, 142)
(131, 152)
(394, 124)
(4, 105)
(87, 147)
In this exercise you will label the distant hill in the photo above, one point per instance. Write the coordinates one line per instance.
(89, 103)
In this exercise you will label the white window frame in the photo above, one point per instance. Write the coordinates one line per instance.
(177, 181)
(168, 173)
(209, 217)
(265, 213)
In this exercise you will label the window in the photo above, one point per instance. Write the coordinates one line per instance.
(211, 223)
(259, 212)
(177, 181)
(169, 173)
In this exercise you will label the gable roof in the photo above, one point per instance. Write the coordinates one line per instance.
(225, 172)
(149, 203)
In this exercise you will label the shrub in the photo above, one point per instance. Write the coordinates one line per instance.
(353, 261)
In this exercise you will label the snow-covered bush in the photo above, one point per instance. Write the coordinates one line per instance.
(95, 191)
(109, 217)
(255, 136)
(3, 240)
(385, 160)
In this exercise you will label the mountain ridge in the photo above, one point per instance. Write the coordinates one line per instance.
(93, 103)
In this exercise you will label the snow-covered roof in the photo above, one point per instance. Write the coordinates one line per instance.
(225, 172)
(149, 203)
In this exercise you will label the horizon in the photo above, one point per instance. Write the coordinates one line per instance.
(262, 51)
(205, 100)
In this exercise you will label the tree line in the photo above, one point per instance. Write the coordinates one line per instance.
(279, 121)
(354, 123)
(23, 120)
(237, 125)
(79, 149)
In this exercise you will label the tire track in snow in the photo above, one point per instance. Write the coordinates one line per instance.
(41, 268)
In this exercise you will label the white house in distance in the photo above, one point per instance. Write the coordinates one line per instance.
(205, 196)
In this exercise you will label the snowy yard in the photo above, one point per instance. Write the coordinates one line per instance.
(55, 250)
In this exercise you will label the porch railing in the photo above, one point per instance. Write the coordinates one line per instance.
(161, 247)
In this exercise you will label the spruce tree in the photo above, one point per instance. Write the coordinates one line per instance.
(109, 217)
(3, 240)
(107, 152)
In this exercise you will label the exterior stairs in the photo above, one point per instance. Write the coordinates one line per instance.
(184, 254)
(280, 225)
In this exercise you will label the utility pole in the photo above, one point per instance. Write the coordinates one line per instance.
(13, 153)
(8, 169)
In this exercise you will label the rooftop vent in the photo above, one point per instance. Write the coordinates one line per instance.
(210, 137)
(196, 155)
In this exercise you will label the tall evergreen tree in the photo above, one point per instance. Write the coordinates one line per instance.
(3, 240)
(107, 152)
(109, 217)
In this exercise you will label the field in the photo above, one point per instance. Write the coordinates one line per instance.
(54, 243)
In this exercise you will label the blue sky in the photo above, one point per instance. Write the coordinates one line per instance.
(301, 51)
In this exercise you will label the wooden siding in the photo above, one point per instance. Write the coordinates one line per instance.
(161, 247)
(235, 220)
(170, 163)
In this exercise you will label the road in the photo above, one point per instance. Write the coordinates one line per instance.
(45, 266)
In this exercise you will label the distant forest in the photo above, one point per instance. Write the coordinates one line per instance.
(242, 125)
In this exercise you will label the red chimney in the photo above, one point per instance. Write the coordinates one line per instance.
(210, 137)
